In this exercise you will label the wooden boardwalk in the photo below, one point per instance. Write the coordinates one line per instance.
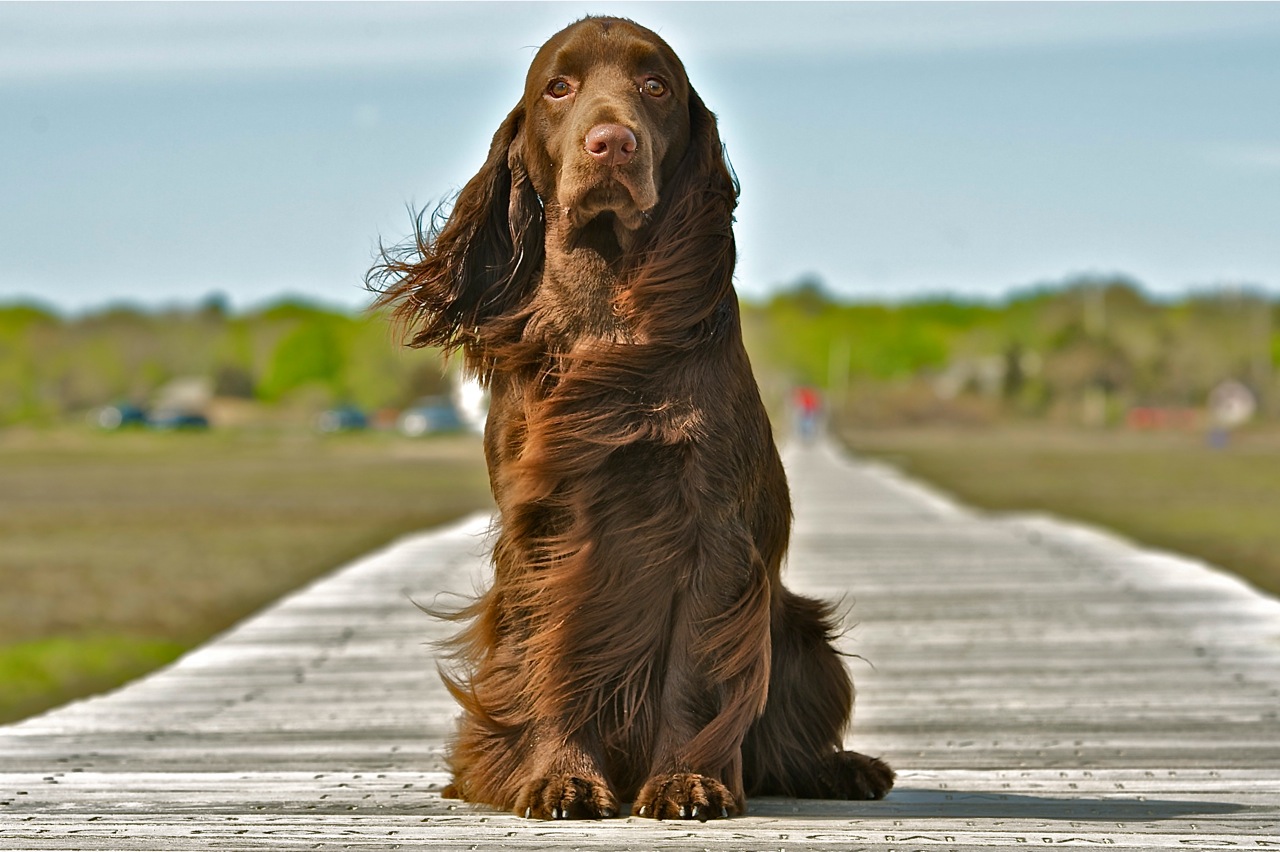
(1035, 684)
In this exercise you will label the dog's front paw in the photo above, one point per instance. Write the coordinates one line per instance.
(856, 776)
(684, 795)
(564, 796)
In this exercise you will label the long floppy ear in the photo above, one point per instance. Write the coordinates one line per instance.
(457, 281)
(681, 276)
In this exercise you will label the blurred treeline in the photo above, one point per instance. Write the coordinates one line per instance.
(1084, 351)
(290, 356)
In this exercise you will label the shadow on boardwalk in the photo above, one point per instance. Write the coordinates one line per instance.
(1033, 683)
(922, 804)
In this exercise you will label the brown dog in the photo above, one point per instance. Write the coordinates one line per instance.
(637, 643)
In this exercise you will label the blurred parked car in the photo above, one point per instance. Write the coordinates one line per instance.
(121, 415)
(431, 415)
(175, 419)
(344, 418)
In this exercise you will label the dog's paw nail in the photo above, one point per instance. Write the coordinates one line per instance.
(556, 813)
(724, 813)
(643, 808)
(528, 812)
(684, 812)
(608, 813)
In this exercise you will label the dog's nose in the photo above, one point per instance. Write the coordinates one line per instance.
(611, 144)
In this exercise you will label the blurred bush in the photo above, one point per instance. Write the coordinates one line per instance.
(288, 355)
(1085, 351)
(1088, 350)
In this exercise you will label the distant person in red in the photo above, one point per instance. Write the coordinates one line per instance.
(808, 403)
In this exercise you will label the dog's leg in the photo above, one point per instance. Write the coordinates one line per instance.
(717, 671)
(795, 749)
(512, 751)
(679, 787)
(565, 781)
(530, 768)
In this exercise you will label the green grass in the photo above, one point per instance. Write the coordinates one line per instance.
(117, 551)
(1167, 490)
(40, 671)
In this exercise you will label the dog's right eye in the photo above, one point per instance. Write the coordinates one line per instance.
(559, 89)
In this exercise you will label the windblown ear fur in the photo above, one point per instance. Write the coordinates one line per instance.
(681, 278)
(461, 280)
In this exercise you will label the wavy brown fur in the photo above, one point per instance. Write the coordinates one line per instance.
(636, 643)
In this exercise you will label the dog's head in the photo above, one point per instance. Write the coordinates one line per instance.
(611, 149)
(606, 121)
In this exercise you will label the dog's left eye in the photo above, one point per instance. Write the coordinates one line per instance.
(559, 89)
(654, 87)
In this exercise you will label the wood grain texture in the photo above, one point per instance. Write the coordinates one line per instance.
(1035, 684)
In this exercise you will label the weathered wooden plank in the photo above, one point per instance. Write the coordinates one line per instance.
(1035, 683)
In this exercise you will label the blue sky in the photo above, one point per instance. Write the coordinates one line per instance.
(156, 153)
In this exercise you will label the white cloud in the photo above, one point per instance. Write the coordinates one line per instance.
(1249, 157)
